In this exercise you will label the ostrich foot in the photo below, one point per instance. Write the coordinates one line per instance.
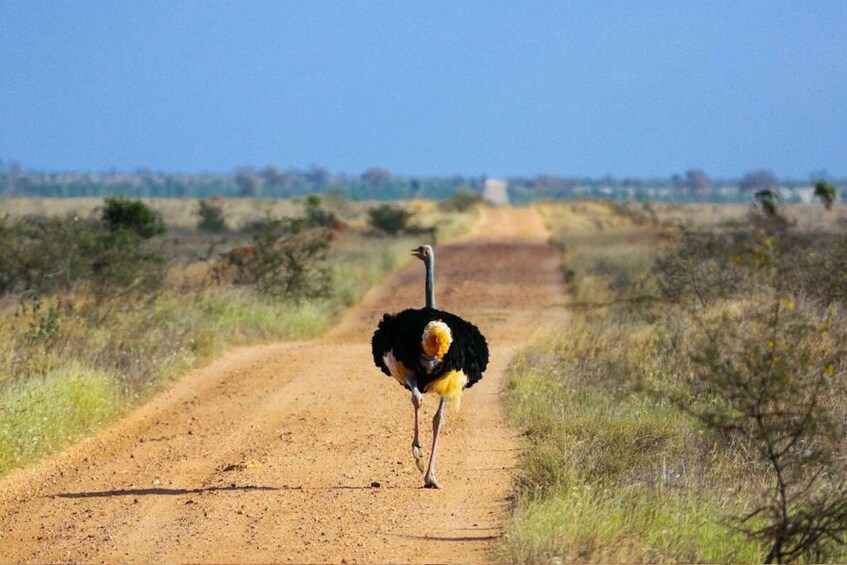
(431, 482)
(419, 457)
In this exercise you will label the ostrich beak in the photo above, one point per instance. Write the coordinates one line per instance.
(417, 253)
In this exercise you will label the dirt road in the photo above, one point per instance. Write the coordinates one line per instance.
(300, 452)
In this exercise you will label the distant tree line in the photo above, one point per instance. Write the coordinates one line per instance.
(693, 186)
(378, 183)
(245, 182)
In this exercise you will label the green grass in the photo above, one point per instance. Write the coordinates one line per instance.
(47, 413)
(588, 524)
(610, 473)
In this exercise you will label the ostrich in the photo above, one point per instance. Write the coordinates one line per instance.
(429, 350)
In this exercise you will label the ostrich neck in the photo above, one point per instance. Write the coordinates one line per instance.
(430, 282)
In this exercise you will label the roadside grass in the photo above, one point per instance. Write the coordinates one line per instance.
(612, 471)
(46, 413)
(73, 362)
(609, 472)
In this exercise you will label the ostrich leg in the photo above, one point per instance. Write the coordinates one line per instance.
(437, 420)
(417, 400)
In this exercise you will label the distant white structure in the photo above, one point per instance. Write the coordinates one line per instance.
(497, 192)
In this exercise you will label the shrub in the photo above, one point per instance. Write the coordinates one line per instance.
(133, 215)
(389, 219)
(699, 269)
(120, 262)
(43, 254)
(47, 255)
(211, 218)
(820, 269)
(316, 216)
(762, 376)
(761, 366)
(289, 261)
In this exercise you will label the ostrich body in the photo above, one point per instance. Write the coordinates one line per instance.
(430, 351)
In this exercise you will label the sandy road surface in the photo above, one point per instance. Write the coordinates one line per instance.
(269, 453)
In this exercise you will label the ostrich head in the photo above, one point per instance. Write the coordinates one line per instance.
(425, 254)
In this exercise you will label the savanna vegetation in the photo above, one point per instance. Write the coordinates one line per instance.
(102, 302)
(694, 410)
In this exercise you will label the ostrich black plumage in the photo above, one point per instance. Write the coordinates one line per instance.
(429, 350)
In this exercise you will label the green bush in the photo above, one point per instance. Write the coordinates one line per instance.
(389, 219)
(132, 215)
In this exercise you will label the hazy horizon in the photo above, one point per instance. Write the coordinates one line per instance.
(584, 89)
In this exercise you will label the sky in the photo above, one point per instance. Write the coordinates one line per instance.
(438, 87)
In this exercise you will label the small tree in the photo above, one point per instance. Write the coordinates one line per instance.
(826, 192)
(121, 262)
(768, 199)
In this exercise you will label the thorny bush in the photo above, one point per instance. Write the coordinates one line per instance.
(290, 260)
(762, 363)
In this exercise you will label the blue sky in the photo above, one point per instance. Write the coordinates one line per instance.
(629, 88)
